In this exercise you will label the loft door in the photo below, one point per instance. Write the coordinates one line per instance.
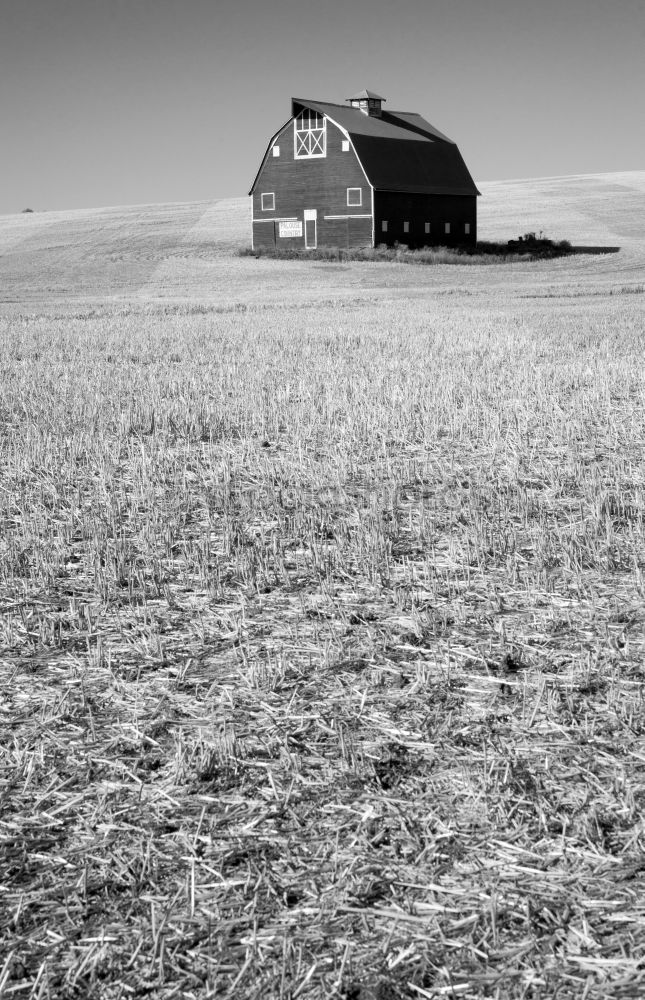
(311, 217)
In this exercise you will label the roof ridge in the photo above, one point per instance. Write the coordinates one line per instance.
(348, 107)
(333, 104)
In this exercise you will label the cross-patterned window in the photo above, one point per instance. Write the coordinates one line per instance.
(310, 134)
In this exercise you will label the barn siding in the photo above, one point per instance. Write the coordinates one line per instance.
(264, 235)
(359, 232)
(318, 183)
(336, 233)
(417, 209)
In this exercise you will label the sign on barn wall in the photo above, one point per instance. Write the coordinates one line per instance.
(290, 228)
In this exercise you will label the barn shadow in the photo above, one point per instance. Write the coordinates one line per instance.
(536, 248)
(594, 250)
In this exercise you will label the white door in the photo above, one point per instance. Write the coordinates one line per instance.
(311, 217)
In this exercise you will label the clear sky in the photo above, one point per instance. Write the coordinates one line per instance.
(111, 102)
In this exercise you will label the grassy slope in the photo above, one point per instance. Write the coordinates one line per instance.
(182, 252)
(269, 535)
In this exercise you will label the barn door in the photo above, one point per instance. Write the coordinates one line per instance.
(311, 236)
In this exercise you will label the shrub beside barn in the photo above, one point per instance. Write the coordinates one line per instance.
(356, 175)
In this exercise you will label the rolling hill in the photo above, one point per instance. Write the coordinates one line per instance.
(186, 251)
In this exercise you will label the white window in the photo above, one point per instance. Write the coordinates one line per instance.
(276, 151)
(355, 197)
(384, 226)
(467, 228)
(406, 227)
(447, 229)
(427, 227)
(268, 201)
(345, 145)
(309, 135)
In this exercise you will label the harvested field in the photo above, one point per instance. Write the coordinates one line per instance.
(322, 611)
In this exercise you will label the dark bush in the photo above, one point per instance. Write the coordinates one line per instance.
(526, 248)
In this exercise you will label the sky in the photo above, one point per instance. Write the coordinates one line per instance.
(115, 102)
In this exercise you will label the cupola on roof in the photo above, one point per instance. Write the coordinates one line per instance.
(365, 95)
(368, 102)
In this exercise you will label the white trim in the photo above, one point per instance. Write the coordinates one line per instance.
(344, 146)
(276, 150)
(351, 146)
(266, 154)
(320, 143)
(311, 215)
(365, 215)
(284, 218)
(356, 204)
(267, 194)
(367, 180)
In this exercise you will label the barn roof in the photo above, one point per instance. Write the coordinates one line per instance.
(399, 151)
(391, 124)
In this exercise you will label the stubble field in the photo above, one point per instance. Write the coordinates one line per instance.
(322, 611)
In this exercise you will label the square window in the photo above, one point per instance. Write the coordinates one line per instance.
(467, 229)
(447, 229)
(355, 197)
(345, 145)
(384, 226)
(427, 227)
(406, 227)
(276, 151)
(268, 201)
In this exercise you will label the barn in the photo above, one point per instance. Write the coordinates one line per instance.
(356, 175)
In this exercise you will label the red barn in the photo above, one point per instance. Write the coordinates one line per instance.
(355, 175)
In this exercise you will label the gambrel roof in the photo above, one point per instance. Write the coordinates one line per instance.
(399, 151)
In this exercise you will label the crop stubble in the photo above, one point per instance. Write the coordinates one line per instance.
(322, 650)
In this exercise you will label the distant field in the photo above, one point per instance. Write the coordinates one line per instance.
(185, 252)
(322, 610)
